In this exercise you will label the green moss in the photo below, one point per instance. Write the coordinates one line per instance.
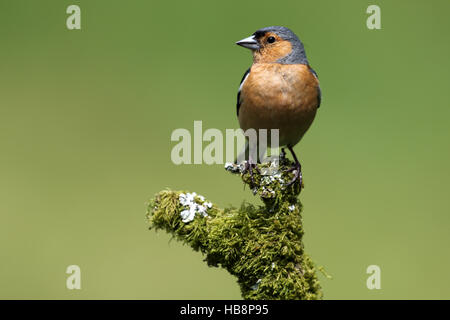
(260, 245)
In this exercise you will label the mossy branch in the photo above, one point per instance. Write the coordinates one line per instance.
(260, 245)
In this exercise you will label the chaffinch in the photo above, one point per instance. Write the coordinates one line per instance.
(280, 90)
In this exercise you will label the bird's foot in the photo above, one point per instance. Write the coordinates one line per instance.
(250, 166)
(297, 174)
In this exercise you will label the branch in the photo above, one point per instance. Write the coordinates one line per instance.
(260, 245)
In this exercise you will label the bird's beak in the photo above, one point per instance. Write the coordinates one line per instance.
(249, 43)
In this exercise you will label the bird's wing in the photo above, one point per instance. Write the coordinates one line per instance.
(319, 92)
(238, 103)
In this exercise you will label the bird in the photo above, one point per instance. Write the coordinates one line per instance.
(279, 91)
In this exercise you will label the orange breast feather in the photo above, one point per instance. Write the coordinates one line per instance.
(279, 96)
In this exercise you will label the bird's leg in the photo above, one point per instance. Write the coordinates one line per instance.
(250, 166)
(298, 169)
(282, 155)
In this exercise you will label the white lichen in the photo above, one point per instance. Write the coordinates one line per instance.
(189, 201)
(187, 216)
(232, 167)
(256, 285)
(208, 204)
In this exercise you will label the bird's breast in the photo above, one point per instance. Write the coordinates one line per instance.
(279, 96)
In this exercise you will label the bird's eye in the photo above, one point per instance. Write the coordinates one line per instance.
(271, 39)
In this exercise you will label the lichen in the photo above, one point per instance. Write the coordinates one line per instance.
(260, 245)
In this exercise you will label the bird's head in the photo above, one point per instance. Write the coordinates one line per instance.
(275, 45)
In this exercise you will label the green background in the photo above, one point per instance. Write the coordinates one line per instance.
(86, 118)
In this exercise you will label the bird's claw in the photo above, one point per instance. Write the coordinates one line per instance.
(297, 175)
(249, 166)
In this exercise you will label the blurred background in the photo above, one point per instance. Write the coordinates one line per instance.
(85, 123)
